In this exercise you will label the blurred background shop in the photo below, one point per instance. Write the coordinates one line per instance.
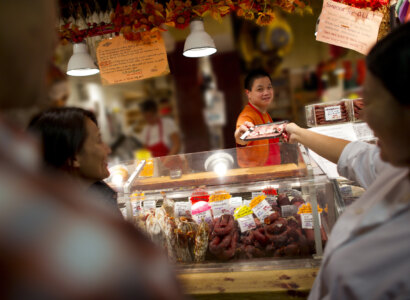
(204, 95)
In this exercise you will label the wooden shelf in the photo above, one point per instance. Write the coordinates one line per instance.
(232, 176)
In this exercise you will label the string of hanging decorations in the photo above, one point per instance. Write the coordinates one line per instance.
(137, 20)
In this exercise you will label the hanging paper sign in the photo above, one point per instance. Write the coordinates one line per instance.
(348, 27)
(122, 61)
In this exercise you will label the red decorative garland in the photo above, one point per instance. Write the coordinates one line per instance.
(147, 15)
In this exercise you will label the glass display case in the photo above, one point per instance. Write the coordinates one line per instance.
(218, 212)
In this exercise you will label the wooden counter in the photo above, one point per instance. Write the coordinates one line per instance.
(232, 176)
(285, 280)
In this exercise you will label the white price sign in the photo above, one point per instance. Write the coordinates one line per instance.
(220, 208)
(333, 113)
(246, 223)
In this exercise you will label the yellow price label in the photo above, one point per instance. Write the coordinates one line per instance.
(242, 211)
(307, 209)
(255, 201)
(219, 197)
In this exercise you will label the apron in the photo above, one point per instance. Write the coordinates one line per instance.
(160, 148)
(274, 149)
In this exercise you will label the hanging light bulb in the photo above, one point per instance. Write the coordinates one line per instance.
(81, 62)
(198, 43)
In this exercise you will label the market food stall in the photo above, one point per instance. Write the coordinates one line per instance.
(228, 229)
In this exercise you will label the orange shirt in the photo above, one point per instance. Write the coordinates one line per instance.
(256, 156)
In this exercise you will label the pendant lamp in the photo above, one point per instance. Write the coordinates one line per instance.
(198, 43)
(81, 62)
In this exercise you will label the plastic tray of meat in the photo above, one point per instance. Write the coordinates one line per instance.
(355, 107)
(264, 131)
(327, 113)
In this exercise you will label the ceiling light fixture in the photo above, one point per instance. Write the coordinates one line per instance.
(198, 43)
(81, 62)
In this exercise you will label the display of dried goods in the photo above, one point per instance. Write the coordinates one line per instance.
(286, 232)
(223, 238)
(201, 242)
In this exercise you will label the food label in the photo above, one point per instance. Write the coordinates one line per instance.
(255, 201)
(346, 191)
(151, 204)
(182, 209)
(288, 210)
(220, 208)
(235, 202)
(307, 209)
(205, 215)
(256, 194)
(246, 202)
(242, 211)
(333, 113)
(262, 210)
(307, 221)
(246, 223)
(136, 207)
(219, 197)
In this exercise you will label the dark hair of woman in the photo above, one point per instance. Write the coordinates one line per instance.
(62, 132)
(389, 60)
(253, 75)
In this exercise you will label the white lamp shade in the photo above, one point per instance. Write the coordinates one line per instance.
(81, 62)
(198, 43)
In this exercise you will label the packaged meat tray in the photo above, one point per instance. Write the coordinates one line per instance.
(264, 131)
(327, 113)
(355, 107)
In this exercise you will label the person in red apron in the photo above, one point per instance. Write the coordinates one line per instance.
(259, 90)
(160, 135)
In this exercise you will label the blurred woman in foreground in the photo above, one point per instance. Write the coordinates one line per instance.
(367, 255)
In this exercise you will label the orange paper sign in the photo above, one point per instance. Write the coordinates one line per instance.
(121, 60)
(348, 27)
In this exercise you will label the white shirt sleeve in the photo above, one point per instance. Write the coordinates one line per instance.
(169, 126)
(361, 162)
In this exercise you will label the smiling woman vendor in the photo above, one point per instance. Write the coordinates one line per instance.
(260, 93)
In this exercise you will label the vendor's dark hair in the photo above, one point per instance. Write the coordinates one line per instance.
(389, 60)
(253, 75)
(149, 106)
(62, 132)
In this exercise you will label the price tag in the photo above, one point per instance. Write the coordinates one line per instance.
(235, 202)
(219, 197)
(307, 209)
(203, 216)
(149, 204)
(182, 209)
(256, 194)
(136, 207)
(246, 223)
(333, 113)
(262, 210)
(255, 201)
(220, 208)
(288, 210)
(307, 221)
(242, 211)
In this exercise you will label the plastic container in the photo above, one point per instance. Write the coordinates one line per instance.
(355, 107)
(327, 113)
